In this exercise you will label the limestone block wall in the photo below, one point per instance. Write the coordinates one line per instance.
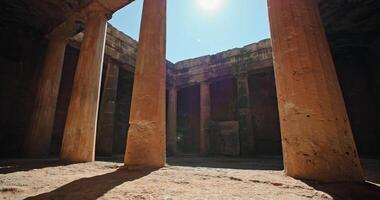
(222, 71)
(253, 57)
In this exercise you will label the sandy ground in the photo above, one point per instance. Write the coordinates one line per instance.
(183, 178)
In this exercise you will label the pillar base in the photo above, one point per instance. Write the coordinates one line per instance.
(146, 135)
(145, 148)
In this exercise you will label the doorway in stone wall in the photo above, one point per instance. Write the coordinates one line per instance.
(188, 108)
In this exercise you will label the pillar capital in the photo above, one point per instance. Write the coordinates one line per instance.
(76, 23)
(59, 37)
(98, 8)
(205, 83)
(240, 69)
(64, 32)
(172, 88)
(241, 75)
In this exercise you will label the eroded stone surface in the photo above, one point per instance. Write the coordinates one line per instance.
(316, 135)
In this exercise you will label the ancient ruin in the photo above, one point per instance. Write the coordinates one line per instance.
(75, 89)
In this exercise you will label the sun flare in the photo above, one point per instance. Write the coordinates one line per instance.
(210, 5)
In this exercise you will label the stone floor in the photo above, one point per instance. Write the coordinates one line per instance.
(185, 177)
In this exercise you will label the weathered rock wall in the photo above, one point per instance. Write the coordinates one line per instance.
(352, 29)
(21, 55)
(224, 100)
(253, 57)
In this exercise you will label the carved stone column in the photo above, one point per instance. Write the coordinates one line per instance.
(104, 138)
(80, 131)
(316, 134)
(172, 121)
(205, 112)
(146, 135)
(38, 138)
(247, 140)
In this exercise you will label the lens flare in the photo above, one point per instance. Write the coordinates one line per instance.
(210, 5)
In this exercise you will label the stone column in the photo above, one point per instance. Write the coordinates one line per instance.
(172, 121)
(38, 139)
(146, 135)
(104, 138)
(80, 131)
(316, 134)
(247, 141)
(205, 113)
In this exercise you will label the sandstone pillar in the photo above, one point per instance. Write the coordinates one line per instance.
(316, 134)
(104, 138)
(146, 135)
(80, 131)
(205, 113)
(244, 116)
(172, 121)
(38, 140)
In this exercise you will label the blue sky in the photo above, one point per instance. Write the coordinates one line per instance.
(196, 29)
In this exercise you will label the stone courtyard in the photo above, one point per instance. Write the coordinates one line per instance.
(185, 177)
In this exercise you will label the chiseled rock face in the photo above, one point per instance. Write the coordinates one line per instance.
(352, 29)
(350, 23)
(253, 57)
(120, 46)
(224, 138)
(41, 16)
(255, 51)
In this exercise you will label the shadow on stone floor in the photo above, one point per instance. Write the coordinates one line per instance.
(10, 166)
(193, 160)
(92, 187)
(371, 167)
(348, 191)
(254, 163)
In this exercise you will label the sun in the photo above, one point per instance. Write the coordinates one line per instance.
(210, 5)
